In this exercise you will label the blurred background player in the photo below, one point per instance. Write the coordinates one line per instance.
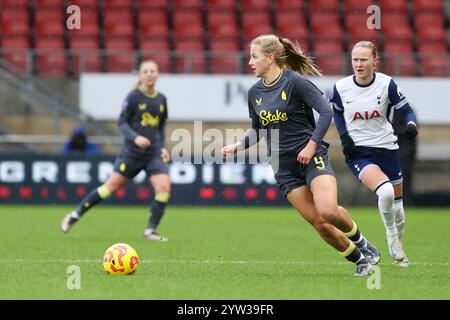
(79, 143)
(362, 103)
(304, 176)
(142, 122)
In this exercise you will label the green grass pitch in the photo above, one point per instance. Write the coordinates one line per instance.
(213, 253)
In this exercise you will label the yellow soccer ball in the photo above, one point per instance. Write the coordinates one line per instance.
(120, 259)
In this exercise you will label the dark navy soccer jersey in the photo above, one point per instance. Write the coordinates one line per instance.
(146, 116)
(287, 104)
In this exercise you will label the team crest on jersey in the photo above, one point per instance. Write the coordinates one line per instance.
(379, 99)
(399, 92)
(258, 101)
(283, 95)
(142, 106)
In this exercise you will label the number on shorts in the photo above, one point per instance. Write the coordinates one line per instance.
(320, 164)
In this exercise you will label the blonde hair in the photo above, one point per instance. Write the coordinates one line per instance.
(372, 47)
(287, 54)
(140, 67)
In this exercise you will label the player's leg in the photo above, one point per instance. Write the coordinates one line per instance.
(377, 181)
(114, 182)
(161, 186)
(399, 214)
(324, 190)
(302, 200)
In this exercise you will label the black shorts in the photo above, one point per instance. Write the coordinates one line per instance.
(294, 175)
(130, 167)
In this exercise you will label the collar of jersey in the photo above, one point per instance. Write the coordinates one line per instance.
(149, 95)
(365, 85)
(275, 81)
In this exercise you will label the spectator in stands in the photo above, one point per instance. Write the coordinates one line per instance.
(79, 143)
(142, 122)
(282, 103)
(361, 105)
(408, 148)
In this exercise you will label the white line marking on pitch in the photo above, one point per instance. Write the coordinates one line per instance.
(185, 261)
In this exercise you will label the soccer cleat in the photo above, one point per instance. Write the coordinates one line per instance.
(371, 253)
(363, 269)
(68, 222)
(396, 252)
(154, 236)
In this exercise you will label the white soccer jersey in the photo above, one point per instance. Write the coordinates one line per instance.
(366, 109)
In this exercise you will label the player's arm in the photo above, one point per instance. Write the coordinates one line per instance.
(399, 102)
(250, 138)
(124, 125)
(348, 145)
(313, 98)
(165, 155)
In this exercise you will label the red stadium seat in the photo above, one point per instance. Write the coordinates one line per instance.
(291, 24)
(84, 4)
(156, 49)
(51, 62)
(14, 22)
(188, 23)
(221, 4)
(190, 58)
(118, 23)
(85, 55)
(48, 3)
(403, 64)
(399, 32)
(49, 22)
(187, 3)
(330, 64)
(332, 5)
(357, 5)
(435, 66)
(222, 24)
(328, 46)
(15, 51)
(394, 46)
(120, 56)
(432, 47)
(153, 23)
(430, 26)
(13, 3)
(394, 18)
(89, 24)
(143, 4)
(255, 23)
(358, 31)
(290, 4)
(118, 3)
(225, 57)
(255, 4)
(420, 5)
(321, 22)
(393, 5)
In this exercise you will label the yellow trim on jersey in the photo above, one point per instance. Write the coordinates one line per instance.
(152, 96)
(275, 82)
(283, 95)
(162, 197)
(352, 232)
(349, 250)
(103, 192)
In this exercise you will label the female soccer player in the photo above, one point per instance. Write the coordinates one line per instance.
(362, 103)
(282, 102)
(142, 122)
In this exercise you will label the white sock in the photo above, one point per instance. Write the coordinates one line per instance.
(74, 215)
(385, 193)
(399, 213)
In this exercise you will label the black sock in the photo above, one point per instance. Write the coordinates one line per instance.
(358, 239)
(157, 211)
(88, 202)
(353, 254)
